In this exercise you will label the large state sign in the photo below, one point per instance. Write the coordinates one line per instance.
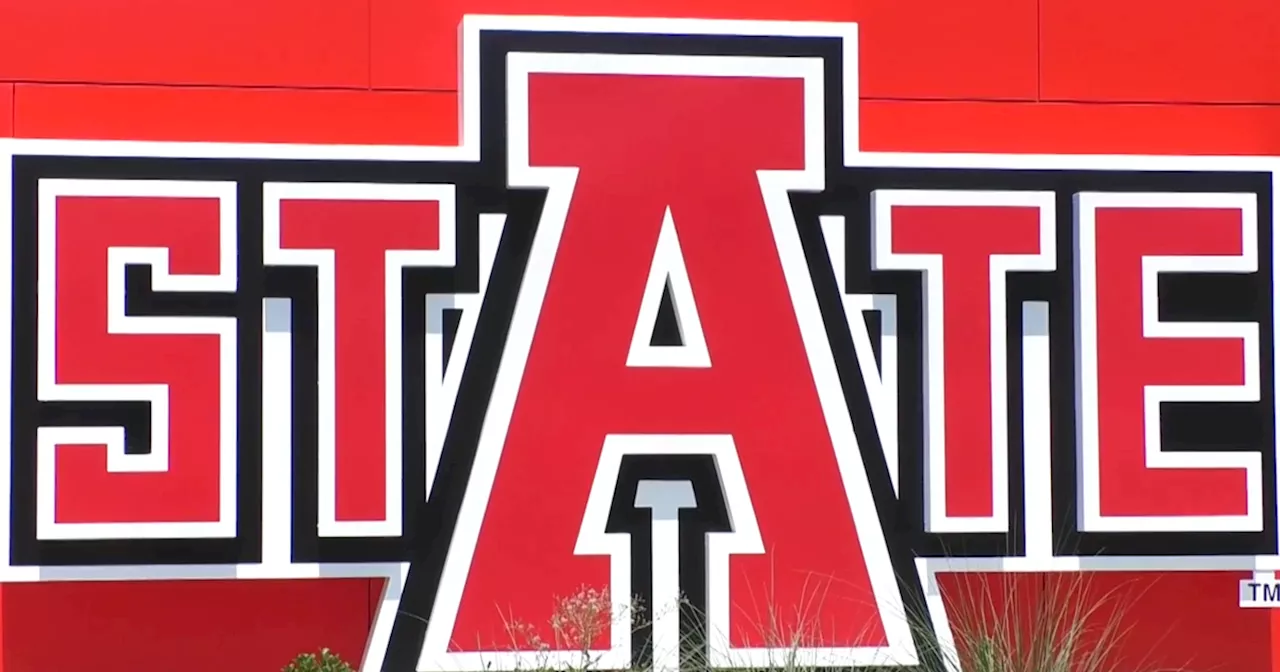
(656, 326)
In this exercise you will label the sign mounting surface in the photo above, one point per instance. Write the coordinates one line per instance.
(442, 366)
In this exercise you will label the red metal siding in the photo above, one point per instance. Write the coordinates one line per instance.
(6, 110)
(234, 114)
(267, 43)
(1153, 51)
(180, 625)
(983, 49)
(1049, 128)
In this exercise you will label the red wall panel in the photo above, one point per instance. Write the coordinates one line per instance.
(1156, 51)
(259, 43)
(1138, 622)
(244, 115)
(384, 117)
(188, 626)
(983, 49)
(1061, 128)
(6, 110)
(1160, 630)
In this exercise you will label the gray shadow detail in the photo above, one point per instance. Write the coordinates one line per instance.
(277, 315)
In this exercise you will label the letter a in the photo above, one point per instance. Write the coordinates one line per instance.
(632, 150)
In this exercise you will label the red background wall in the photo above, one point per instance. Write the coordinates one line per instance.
(1046, 76)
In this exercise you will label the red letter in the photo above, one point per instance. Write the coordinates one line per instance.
(360, 237)
(679, 188)
(1130, 362)
(965, 243)
(90, 350)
